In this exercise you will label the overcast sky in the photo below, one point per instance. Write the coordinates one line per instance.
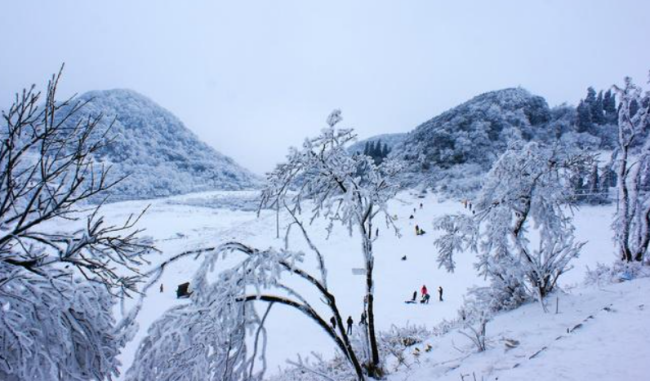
(252, 78)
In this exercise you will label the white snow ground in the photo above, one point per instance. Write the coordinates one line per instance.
(600, 333)
(199, 220)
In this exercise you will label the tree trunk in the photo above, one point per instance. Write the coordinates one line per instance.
(374, 352)
(373, 367)
(645, 237)
(623, 207)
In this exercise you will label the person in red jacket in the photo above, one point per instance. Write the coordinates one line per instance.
(424, 290)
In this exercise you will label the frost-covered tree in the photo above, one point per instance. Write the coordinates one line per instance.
(597, 192)
(528, 189)
(376, 150)
(207, 339)
(329, 182)
(61, 267)
(210, 338)
(609, 107)
(348, 189)
(584, 122)
(632, 162)
(597, 111)
(608, 177)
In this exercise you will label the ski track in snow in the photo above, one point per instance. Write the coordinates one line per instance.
(180, 223)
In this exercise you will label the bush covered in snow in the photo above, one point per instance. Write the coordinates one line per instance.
(619, 271)
(527, 190)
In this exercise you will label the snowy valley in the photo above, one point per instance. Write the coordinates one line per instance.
(501, 240)
(198, 224)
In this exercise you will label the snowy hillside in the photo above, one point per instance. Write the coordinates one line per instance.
(599, 333)
(151, 146)
(477, 130)
(471, 136)
(452, 151)
(199, 222)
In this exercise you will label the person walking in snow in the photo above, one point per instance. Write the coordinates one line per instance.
(424, 290)
(161, 288)
(440, 293)
(417, 230)
(350, 322)
(362, 321)
(333, 321)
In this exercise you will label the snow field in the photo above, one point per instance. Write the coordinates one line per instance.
(180, 223)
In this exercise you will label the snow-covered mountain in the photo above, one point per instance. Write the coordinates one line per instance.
(154, 149)
(462, 143)
(477, 131)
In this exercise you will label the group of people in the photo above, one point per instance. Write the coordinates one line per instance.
(425, 296)
(424, 299)
(350, 322)
(415, 210)
(468, 205)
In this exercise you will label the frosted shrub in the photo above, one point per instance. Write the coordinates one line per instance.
(617, 272)
(527, 189)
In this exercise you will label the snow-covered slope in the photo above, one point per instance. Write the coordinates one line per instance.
(160, 156)
(599, 334)
(205, 223)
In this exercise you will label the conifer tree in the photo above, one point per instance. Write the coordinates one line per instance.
(609, 107)
(584, 117)
(593, 187)
(597, 112)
